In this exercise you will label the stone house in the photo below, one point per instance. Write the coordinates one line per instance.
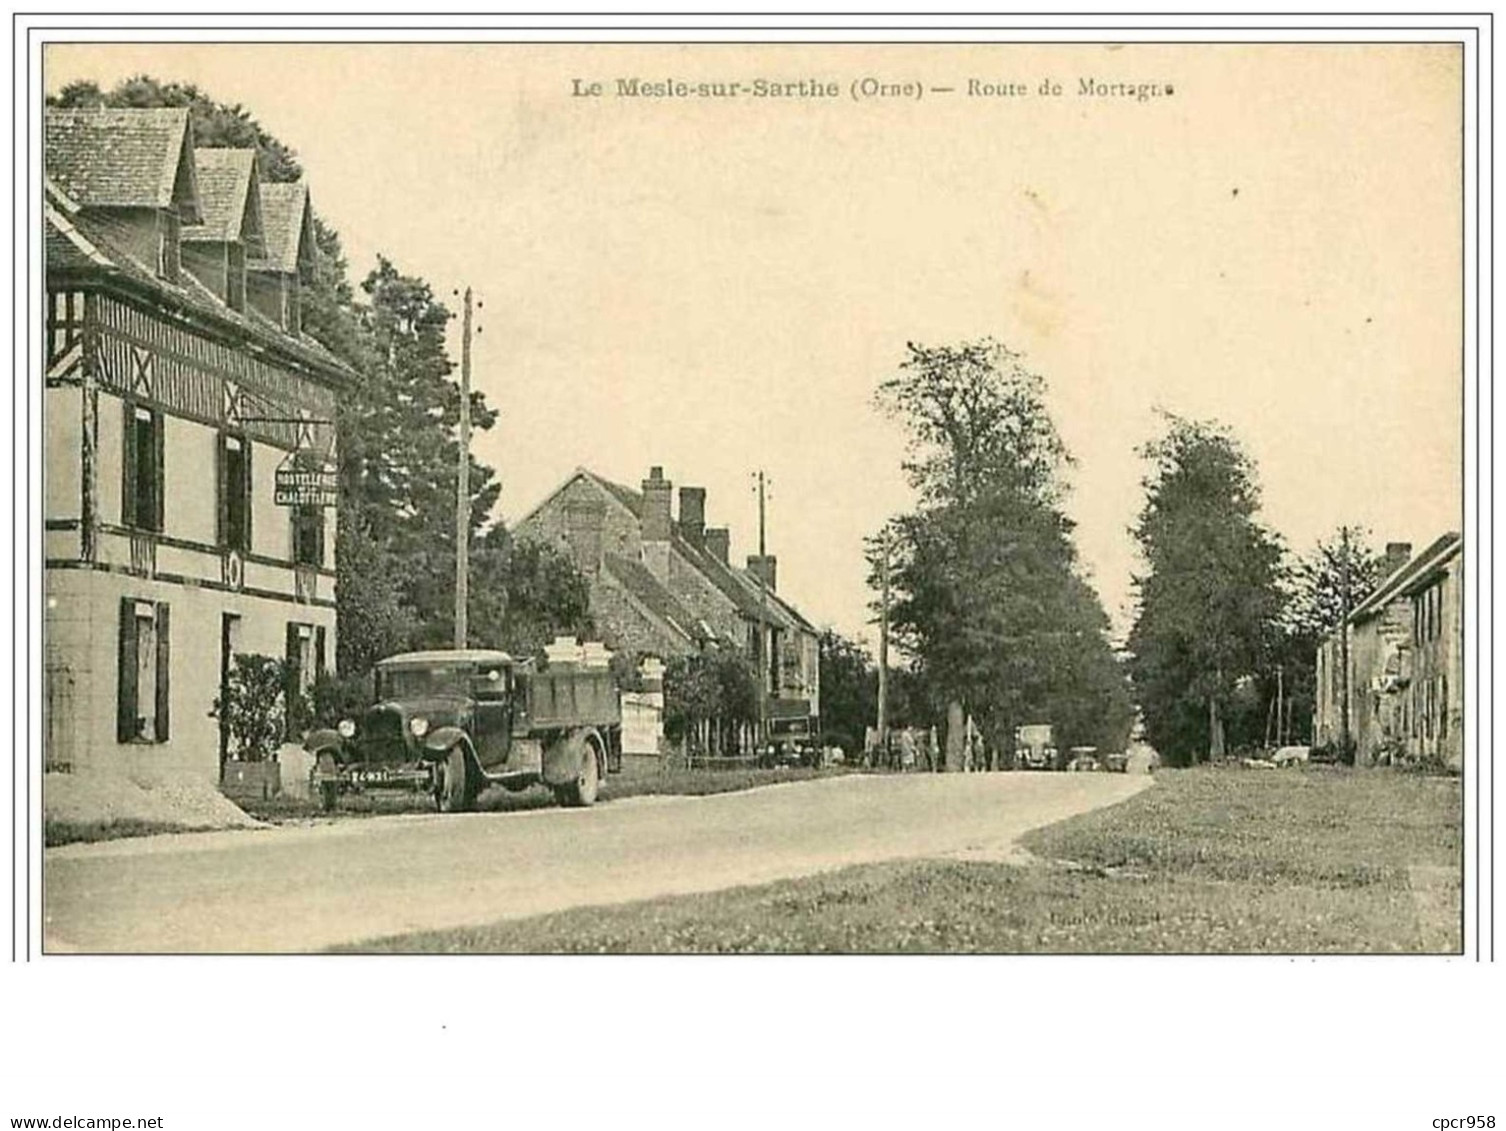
(172, 398)
(662, 584)
(1406, 662)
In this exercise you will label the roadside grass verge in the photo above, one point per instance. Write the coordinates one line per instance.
(635, 782)
(1208, 861)
(57, 832)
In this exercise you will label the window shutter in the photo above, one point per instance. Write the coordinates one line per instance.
(291, 681)
(164, 668)
(318, 651)
(159, 481)
(1443, 706)
(125, 694)
(221, 492)
(128, 470)
(246, 490)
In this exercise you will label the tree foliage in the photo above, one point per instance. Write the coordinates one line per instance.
(987, 597)
(1210, 601)
(253, 706)
(717, 686)
(849, 690)
(1315, 585)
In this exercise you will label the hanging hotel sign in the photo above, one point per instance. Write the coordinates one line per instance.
(306, 487)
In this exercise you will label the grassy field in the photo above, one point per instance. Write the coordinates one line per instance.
(1322, 860)
(56, 833)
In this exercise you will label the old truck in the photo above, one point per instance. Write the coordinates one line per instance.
(1034, 747)
(450, 723)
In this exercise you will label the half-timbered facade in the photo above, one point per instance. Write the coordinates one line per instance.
(170, 405)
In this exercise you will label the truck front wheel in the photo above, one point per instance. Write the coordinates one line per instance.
(452, 793)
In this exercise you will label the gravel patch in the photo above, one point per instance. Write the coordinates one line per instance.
(103, 797)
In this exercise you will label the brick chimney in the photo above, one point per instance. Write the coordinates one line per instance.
(765, 567)
(658, 495)
(693, 514)
(1397, 555)
(719, 542)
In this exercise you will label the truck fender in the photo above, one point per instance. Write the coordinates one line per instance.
(437, 743)
(562, 759)
(321, 740)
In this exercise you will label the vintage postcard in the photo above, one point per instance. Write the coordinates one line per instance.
(532, 487)
(476, 474)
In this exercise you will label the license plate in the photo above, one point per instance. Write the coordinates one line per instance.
(373, 775)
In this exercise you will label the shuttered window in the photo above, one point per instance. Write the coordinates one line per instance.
(234, 475)
(142, 693)
(308, 535)
(142, 489)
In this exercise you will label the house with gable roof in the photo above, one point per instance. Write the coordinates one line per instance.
(172, 396)
(1403, 688)
(663, 584)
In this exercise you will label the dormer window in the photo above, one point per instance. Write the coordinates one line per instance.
(295, 306)
(235, 277)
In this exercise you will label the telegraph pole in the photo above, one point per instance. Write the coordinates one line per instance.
(463, 486)
(883, 672)
(763, 623)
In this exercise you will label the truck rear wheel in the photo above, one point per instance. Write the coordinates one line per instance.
(452, 792)
(587, 784)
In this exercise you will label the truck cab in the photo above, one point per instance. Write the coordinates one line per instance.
(1034, 747)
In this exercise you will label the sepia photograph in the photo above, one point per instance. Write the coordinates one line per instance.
(759, 498)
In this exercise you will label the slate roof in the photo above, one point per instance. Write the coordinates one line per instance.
(636, 578)
(127, 158)
(228, 203)
(1417, 569)
(737, 585)
(86, 244)
(284, 216)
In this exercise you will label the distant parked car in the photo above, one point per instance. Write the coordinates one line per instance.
(1084, 760)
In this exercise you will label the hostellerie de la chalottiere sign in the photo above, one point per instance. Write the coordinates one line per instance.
(305, 487)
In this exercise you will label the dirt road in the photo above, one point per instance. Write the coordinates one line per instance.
(304, 888)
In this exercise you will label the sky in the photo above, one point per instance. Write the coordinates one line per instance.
(717, 284)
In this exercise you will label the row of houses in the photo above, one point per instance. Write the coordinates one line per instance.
(662, 585)
(182, 395)
(1400, 695)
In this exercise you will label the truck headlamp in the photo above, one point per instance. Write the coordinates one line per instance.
(419, 726)
(346, 728)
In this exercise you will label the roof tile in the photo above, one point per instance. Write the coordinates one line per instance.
(284, 216)
(115, 158)
(226, 180)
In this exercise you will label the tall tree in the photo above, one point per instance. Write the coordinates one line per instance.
(849, 690)
(1210, 601)
(1338, 573)
(987, 597)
